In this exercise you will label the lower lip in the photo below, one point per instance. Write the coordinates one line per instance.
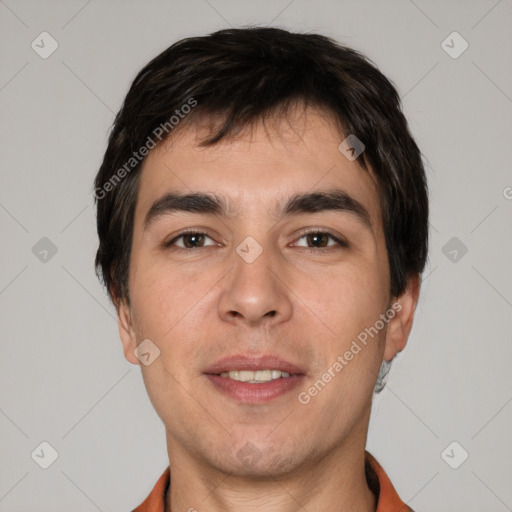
(255, 393)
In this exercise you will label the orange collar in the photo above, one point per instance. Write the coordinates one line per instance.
(387, 498)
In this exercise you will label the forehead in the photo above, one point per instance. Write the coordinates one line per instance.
(256, 171)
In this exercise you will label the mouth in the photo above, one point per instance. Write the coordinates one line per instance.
(255, 377)
(258, 369)
(254, 380)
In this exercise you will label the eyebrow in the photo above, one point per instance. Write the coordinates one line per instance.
(213, 204)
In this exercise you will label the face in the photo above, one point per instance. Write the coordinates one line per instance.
(267, 284)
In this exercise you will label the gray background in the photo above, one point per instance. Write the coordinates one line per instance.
(63, 376)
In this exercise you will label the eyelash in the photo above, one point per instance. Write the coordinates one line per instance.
(341, 243)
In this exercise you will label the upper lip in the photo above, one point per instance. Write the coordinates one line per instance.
(255, 363)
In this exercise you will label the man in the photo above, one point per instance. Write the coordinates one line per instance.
(262, 212)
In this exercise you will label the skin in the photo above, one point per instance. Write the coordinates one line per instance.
(198, 305)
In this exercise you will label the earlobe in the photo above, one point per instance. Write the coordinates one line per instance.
(399, 327)
(127, 332)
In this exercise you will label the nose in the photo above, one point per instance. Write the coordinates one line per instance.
(255, 293)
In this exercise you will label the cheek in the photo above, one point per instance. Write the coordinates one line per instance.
(348, 302)
(346, 299)
(349, 355)
(169, 303)
(167, 306)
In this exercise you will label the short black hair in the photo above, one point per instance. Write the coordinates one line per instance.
(241, 76)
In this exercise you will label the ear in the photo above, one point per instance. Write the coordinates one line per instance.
(399, 327)
(127, 332)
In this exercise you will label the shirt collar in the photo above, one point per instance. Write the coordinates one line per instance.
(379, 483)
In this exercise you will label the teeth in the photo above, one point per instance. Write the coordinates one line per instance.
(254, 377)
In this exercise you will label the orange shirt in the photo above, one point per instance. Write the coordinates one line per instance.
(379, 483)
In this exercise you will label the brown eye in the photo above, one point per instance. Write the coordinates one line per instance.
(320, 240)
(317, 239)
(190, 240)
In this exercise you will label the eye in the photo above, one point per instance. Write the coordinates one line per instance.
(189, 240)
(315, 241)
(320, 240)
